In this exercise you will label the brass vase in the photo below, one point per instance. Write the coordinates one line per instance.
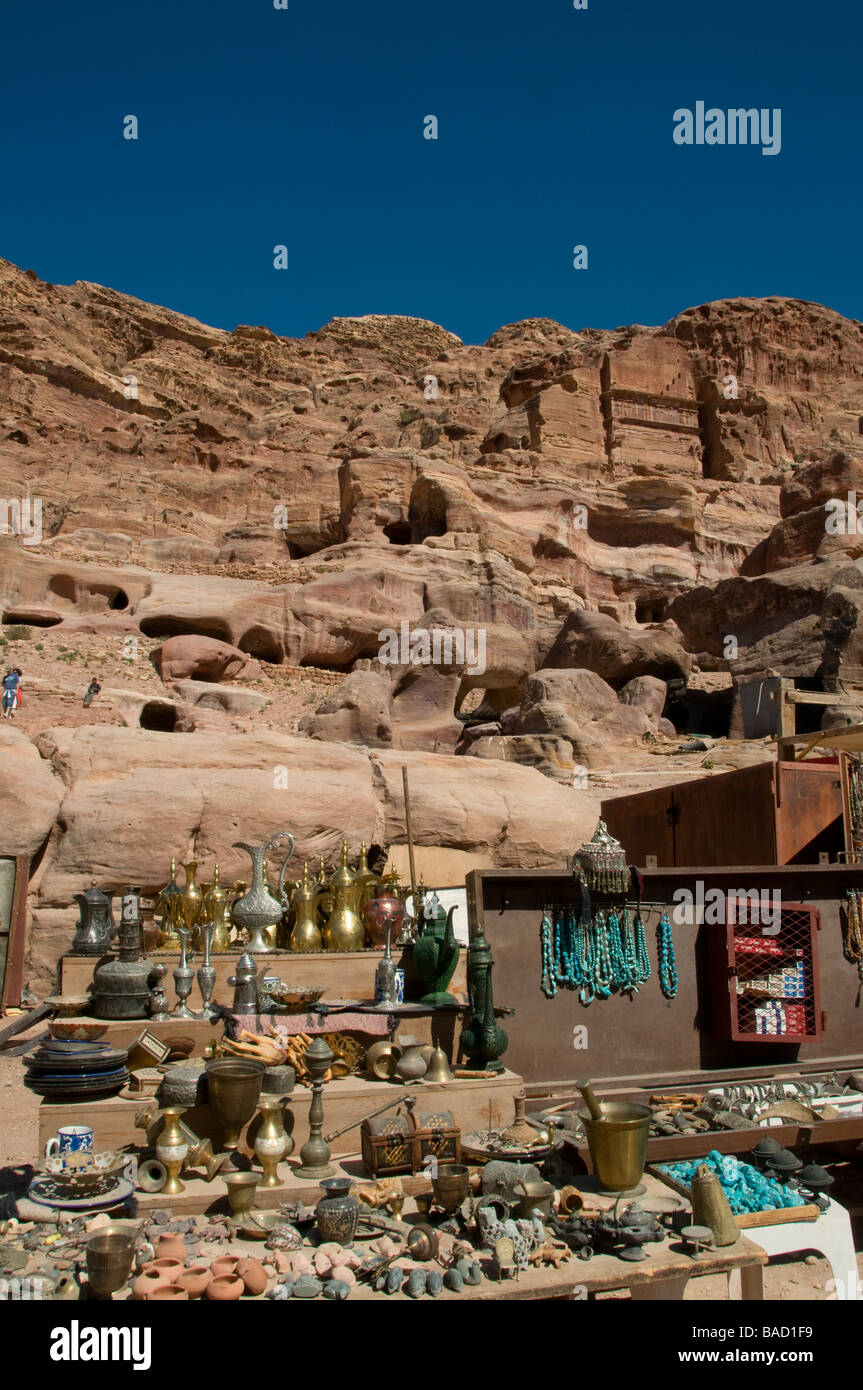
(345, 931)
(172, 1149)
(272, 1142)
(216, 905)
(306, 935)
(710, 1207)
(169, 940)
(191, 908)
(234, 1089)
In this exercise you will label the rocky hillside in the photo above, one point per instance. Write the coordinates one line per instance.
(230, 520)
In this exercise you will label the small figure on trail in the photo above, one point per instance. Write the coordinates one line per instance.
(92, 691)
(11, 682)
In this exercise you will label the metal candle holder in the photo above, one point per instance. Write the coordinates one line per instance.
(315, 1153)
(206, 972)
(184, 977)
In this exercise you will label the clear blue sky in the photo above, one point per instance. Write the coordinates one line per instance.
(305, 127)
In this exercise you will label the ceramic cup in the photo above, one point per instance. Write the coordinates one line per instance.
(69, 1140)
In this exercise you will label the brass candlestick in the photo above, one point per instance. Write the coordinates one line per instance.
(315, 1153)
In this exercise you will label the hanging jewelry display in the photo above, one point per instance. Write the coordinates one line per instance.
(852, 945)
(668, 977)
(547, 983)
(855, 798)
(600, 864)
(598, 953)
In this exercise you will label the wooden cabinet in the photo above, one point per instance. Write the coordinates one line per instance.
(770, 813)
(764, 982)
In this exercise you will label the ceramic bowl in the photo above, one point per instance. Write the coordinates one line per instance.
(195, 1280)
(225, 1288)
(70, 1030)
(168, 1293)
(67, 1005)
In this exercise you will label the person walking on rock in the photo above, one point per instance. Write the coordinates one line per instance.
(92, 691)
(11, 681)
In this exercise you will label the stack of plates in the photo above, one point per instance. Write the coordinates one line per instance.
(64, 1070)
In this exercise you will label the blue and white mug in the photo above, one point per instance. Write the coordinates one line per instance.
(70, 1139)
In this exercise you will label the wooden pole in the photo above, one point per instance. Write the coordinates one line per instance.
(410, 838)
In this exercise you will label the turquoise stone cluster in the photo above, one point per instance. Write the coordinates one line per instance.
(745, 1188)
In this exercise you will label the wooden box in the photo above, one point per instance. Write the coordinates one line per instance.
(393, 1144)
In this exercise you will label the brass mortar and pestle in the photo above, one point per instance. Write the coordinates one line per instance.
(617, 1132)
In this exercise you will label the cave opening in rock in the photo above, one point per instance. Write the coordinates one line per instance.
(167, 625)
(14, 616)
(398, 532)
(160, 717)
(650, 610)
(699, 711)
(64, 587)
(118, 600)
(261, 643)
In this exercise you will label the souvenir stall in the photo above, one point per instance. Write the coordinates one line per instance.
(281, 1127)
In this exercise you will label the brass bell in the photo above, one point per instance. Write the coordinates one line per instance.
(438, 1067)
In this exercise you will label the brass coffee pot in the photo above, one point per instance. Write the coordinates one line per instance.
(306, 935)
(344, 930)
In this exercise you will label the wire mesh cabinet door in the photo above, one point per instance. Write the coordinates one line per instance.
(770, 960)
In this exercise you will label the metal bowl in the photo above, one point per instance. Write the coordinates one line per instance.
(295, 999)
(67, 1005)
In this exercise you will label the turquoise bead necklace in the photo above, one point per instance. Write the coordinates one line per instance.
(668, 977)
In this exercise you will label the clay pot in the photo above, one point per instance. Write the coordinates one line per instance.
(225, 1288)
(171, 1247)
(194, 1280)
(253, 1275)
(224, 1265)
(146, 1283)
(155, 1274)
(168, 1293)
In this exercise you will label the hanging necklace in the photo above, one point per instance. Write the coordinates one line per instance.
(548, 986)
(668, 978)
(642, 959)
(853, 943)
(603, 973)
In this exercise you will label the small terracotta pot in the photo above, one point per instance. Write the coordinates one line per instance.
(224, 1264)
(194, 1280)
(225, 1288)
(156, 1274)
(171, 1247)
(146, 1283)
(253, 1275)
(168, 1293)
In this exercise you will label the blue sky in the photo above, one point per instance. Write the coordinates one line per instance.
(304, 127)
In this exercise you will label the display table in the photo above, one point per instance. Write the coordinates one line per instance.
(472, 1100)
(830, 1234)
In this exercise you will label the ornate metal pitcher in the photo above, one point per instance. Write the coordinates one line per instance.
(258, 909)
(344, 930)
(96, 926)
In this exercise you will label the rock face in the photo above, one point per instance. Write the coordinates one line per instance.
(199, 658)
(596, 642)
(591, 514)
(117, 804)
